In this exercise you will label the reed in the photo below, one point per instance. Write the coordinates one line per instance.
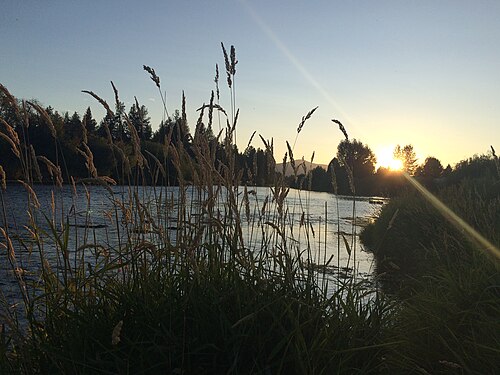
(175, 284)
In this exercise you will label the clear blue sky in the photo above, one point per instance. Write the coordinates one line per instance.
(394, 72)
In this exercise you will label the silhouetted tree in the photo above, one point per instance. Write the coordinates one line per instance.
(138, 116)
(73, 129)
(407, 155)
(90, 123)
(109, 122)
(177, 126)
(338, 175)
(320, 179)
(359, 158)
(447, 171)
(120, 129)
(432, 168)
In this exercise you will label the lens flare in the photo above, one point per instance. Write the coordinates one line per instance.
(454, 219)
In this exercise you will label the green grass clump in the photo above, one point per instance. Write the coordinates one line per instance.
(449, 286)
(205, 324)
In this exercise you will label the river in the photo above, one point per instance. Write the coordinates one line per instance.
(321, 226)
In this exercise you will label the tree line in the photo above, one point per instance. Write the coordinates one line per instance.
(111, 143)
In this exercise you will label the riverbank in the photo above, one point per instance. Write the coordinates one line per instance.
(449, 284)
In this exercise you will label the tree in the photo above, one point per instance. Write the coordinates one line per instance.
(120, 130)
(407, 155)
(320, 179)
(338, 177)
(357, 156)
(432, 168)
(179, 128)
(90, 123)
(359, 161)
(107, 122)
(73, 129)
(138, 116)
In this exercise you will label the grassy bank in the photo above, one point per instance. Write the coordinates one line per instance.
(449, 285)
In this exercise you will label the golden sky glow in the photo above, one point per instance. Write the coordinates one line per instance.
(423, 73)
(385, 158)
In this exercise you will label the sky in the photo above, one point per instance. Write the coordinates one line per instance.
(425, 73)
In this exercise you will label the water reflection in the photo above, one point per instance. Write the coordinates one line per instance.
(319, 226)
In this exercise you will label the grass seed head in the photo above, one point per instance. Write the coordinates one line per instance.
(46, 117)
(305, 118)
(152, 75)
(342, 128)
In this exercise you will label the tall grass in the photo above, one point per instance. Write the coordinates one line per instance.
(449, 287)
(201, 277)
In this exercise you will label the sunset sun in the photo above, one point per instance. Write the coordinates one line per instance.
(385, 159)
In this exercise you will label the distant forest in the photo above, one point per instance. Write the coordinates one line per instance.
(70, 139)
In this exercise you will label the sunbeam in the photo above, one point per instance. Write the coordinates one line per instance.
(454, 219)
(295, 61)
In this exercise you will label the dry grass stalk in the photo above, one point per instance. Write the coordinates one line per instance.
(73, 186)
(109, 113)
(123, 157)
(233, 60)
(136, 143)
(235, 120)
(102, 101)
(54, 171)
(89, 159)
(334, 178)
(342, 128)
(305, 118)
(10, 131)
(115, 336)
(31, 193)
(36, 167)
(292, 160)
(228, 65)
(84, 129)
(215, 106)
(283, 171)
(199, 122)
(8, 245)
(3, 178)
(350, 174)
(152, 75)
(159, 165)
(10, 98)
(12, 144)
(46, 117)
(303, 164)
(211, 110)
(216, 80)
(107, 180)
(183, 109)
(250, 140)
(495, 158)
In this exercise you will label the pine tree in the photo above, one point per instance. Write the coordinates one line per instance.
(142, 123)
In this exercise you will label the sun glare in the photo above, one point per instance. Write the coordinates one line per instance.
(385, 159)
